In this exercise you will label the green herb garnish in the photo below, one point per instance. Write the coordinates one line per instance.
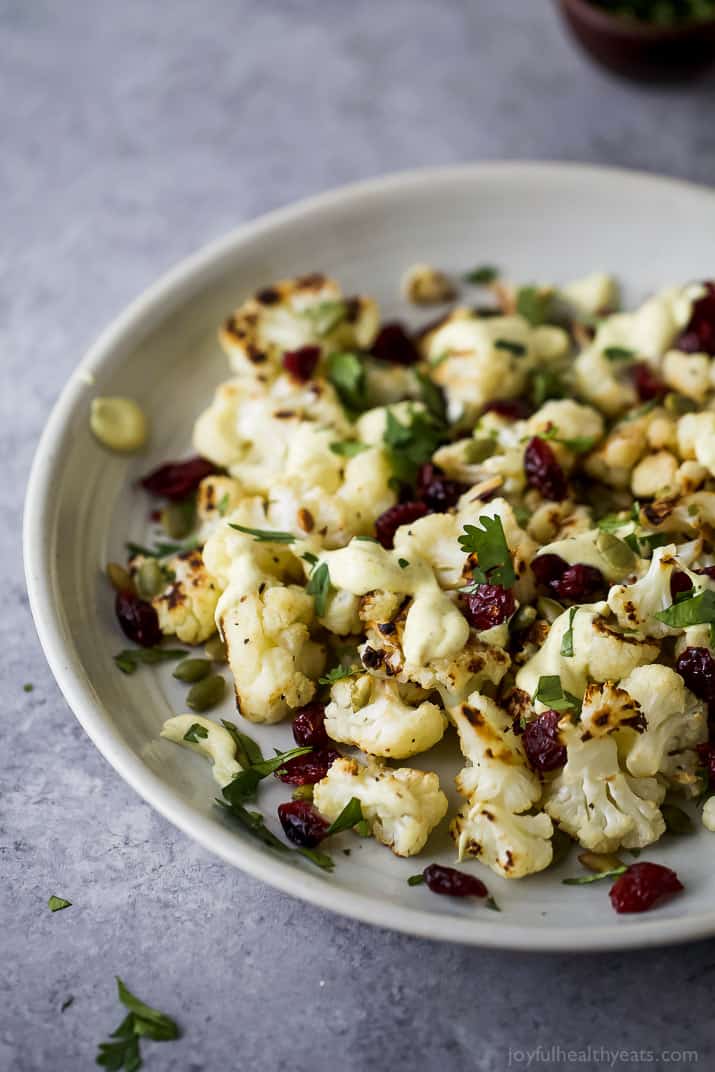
(567, 639)
(222, 504)
(416, 880)
(491, 903)
(534, 304)
(319, 587)
(433, 397)
(56, 904)
(141, 1022)
(482, 275)
(402, 563)
(586, 880)
(195, 733)
(346, 372)
(337, 674)
(619, 353)
(492, 551)
(28, 687)
(248, 752)
(579, 444)
(253, 823)
(349, 817)
(264, 535)
(677, 821)
(348, 448)
(694, 610)
(244, 785)
(550, 693)
(545, 384)
(516, 348)
(325, 316)
(410, 445)
(129, 660)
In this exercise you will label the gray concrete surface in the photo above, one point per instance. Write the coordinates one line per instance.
(130, 133)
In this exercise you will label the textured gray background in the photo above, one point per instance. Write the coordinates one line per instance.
(130, 133)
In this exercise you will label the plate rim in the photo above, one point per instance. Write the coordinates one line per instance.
(75, 684)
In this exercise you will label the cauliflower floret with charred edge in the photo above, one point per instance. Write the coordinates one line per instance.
(566, 421)
(675, 724)
(217, 497)
(600, 652)
(614, 459)
(216, 744)
(593, 799)
(401, 806)
(476, 359)
(692, 514)
(636, 605)
(499, 787)
(696, 438)
(689, 374)
(593, 295)
(379, 717)
(266, 628)
(226, 544)
(290, 314)
(520, 544)
(612, 556)
(187, 604)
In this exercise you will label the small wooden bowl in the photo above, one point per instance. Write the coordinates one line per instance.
(639, 50)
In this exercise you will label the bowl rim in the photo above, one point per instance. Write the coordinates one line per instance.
(633, 30)
(41, 501)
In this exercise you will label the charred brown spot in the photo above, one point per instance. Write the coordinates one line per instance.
(312, 281)
(658, 512)
(387, 628)
(268, 296)
(306, 520)
(284, 414)
(473, 715)
(352, 309)
(372, 658)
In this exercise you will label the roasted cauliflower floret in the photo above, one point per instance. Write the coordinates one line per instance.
(567, 422)
(612, 556)
(186, 606)
(636, 605)
(217, 497)
(209, 740)
(401, 806)
(696, 438)
(512, 845)
(594, 800)
(376, 716)
(290, 314)
(675, 724)
(266, 628)
(593, 295)
(689, 374)
(227, 545)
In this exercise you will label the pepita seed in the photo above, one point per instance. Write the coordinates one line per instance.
(677, 821)
(478, 450)
(616, 551)
(549, 609)
(191, 670)
(118, 423)
(150, 579)
(600, 861)
(119, 578)
(178, 518)
(302, 792)
(216, 649)
(679, 404)
(524, 617)
(207, 693)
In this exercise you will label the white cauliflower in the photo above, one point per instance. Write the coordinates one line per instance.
(676, 722)
(592, 798)
(266, 628)
(655, 474)
(226, 545)
(186, 605)
(689, 374)
(600, 652)
(499, 787)
(217, 497)
(636, 605)
(379, 717)
(592, 295)
(613, 557)
(209, 740)
(696, 438)
(290, 314)
(709, 814)
(614, 458)
(568, 422)
(402, 806)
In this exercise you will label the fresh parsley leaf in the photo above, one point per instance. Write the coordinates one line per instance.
(545, 384)
(244, 785)
(416, 880)
(534, 304)
(349, 817)
(147, 1021)
(410, 445)
(142, 1021)
(619, 353)
(696, 610)
(402, 563)
(491, 903)
(195, 733)
(346, 372)
(28, 687)
(493, 555)
(320, 859)
(129, 660)
(264, 535)
(337, 674)
(579, 444)
(253, 822)
(325, 316)
(516, 348)
(248, 752)
(550, 693)
(222, 504)
(482, 275)
(67, 1002)
(348, 448)
(122, 1054)
(318, 586)
(567, 639)
(433, 397)
(585, 880)
(56, 904)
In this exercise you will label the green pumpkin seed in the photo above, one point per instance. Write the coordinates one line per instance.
(302, 792)
(599, 862)
(207, 693)
(616, 552)
(524, 617)
(549, 609)
(119, 578)
(178, 518)
(150, 579)
(191, 670)
(216, 649)
(677, 821)
(478, 450)
(679, 404)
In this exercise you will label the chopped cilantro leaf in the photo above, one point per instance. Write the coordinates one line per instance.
(567, 639)
(585, 880)
(195, 733)
(694, 610)
(222, 504)
(416, 880)
(141, 1022)
(56, 904)
(402, 563)
(550, 693)
(248, 752)
(493, 555)
(432, 396)
(337, 674)
(346, 372)
(619, 353)
(516, 348)
(410, 445)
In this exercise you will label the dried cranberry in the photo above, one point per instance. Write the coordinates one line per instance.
(301, 363)
(514, 409)
(302, 823)
(435, 489)
(647, 382)
(138, 619)
(395, 345)
(178, 480)
(642, 885)
(308, 768)
(543, 472)
(679, 582)
(542, 745)
(699, 333)
(706, 571)
(489, 605)
(548, 568)
(578, 584)
(696, 666)
(706, 752)
(309, 726)
(453, 883)
(389, 522)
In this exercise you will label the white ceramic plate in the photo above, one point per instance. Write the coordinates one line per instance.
(546, 222)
